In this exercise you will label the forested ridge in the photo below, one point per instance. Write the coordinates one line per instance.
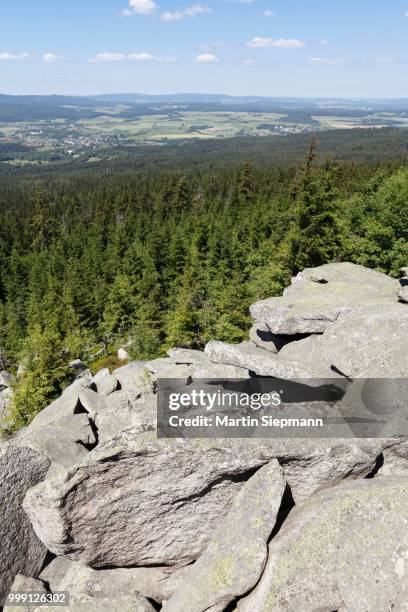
(174, 257)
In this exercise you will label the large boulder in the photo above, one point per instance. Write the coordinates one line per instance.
(166, 496)
(133, 377)
(368, 343)
(234, 560)
(318, 296)
(345, 548)
(21, 552)
(66, 405)
(123, 413)
(65, 442)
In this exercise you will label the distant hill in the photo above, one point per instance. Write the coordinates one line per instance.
(42, 108)
(47, 100)
(278, 102)
(298, 110)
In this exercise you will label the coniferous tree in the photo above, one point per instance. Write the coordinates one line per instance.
(314, 238)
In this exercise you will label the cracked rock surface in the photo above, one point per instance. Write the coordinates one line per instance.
(197, 525)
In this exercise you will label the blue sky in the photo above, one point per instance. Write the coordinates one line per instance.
(342, 48)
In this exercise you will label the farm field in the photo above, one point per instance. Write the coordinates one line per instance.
(44, 134)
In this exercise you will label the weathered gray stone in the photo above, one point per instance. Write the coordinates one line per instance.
(219, 371)
(370, 345)
(156, 583)
(188, 356)
(78, 365)
(66, 405)
(233, 562)
(403, 294)
(135, 378)
(106, 383)
(113, 590)
(21, 552)
(353, 274)
(361, 344)
(25, 584)
(166, 496)
(53, 573)
(318, 296)
(6, 380)
(346, 547)
(395, 456)
(261, 336)
(166, 367)
(125, 412)
(264, 363)
(91, 402)
(5, 399)
(123, 355)
(64, 442)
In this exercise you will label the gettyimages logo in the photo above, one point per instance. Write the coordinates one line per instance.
(270, 407)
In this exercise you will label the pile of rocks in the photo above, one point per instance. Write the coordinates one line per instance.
(93, 503)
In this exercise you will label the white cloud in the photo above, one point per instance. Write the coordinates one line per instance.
(327, 62)
(269, 13)
(168, 59)
(51, 58)
(9, 57)
(385, 60)
(324, 42)
(140, 57)
(250, 62)
(206, 58)
(282, 43)
(190, 11)
(140, 7)
(406, 15)
(106, 57)
(172, 16)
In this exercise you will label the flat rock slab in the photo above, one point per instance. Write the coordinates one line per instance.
(188, 356)
(318, 296)
(265, 363)
(345, 548)
(156, 583)
(167, 496)
(21, 552)
(25, 584)
(64, 442)
(233, 562)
